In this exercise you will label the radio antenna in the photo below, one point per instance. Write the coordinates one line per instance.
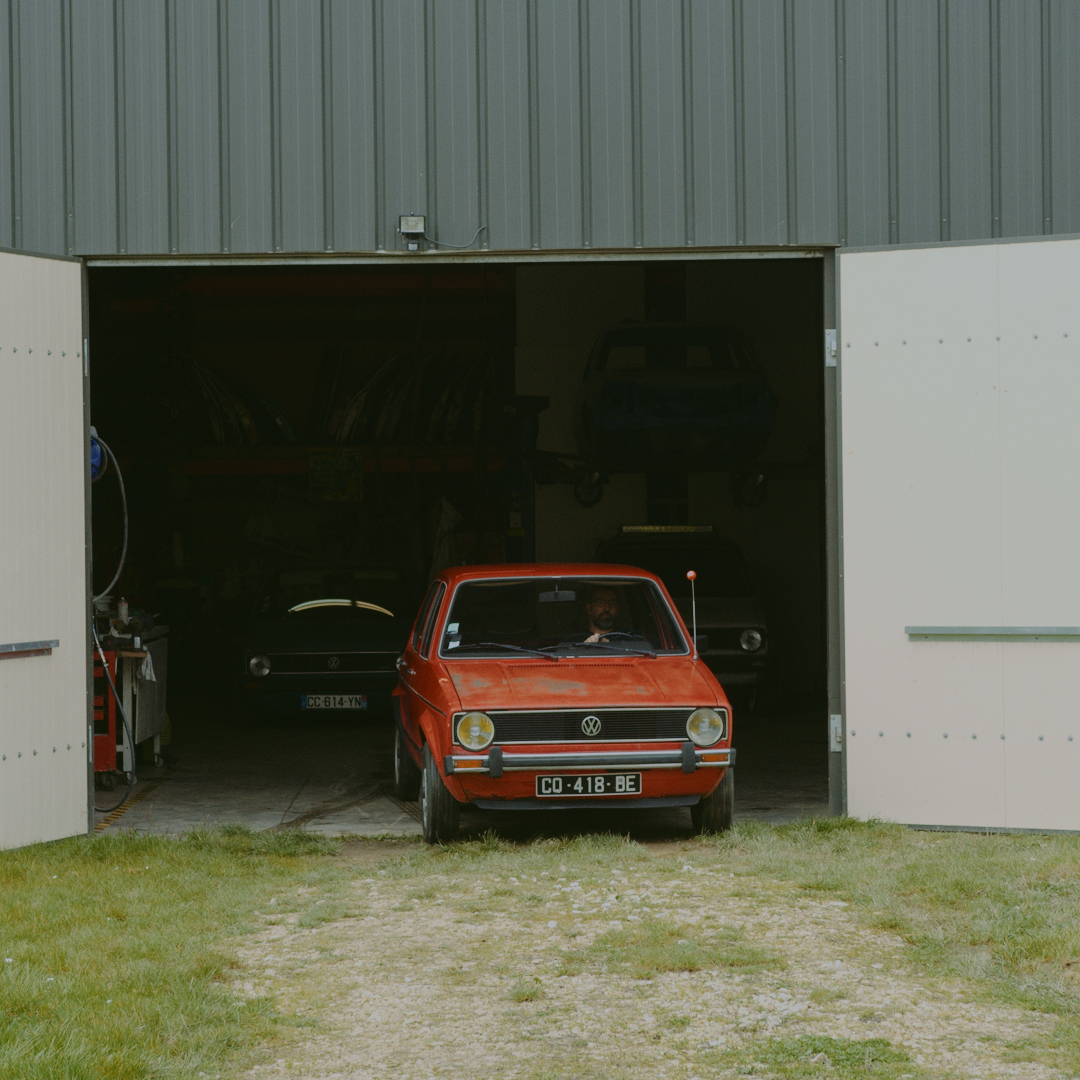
(691, 576)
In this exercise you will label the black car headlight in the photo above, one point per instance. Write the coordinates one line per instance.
(259, 665)
(750, 640)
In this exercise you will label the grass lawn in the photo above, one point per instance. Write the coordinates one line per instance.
(590, 956)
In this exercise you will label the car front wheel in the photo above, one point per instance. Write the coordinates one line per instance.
(714, 813)
(439, 810)
(406, 774)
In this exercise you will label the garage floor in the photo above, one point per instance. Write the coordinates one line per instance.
(332, 777)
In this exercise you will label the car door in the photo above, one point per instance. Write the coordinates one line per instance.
(413, 665)
(959, 369)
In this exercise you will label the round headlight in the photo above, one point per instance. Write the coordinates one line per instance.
(750, 640)
(475, 731)
(705, 726)
(259, 665)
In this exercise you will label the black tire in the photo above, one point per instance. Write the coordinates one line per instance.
(714, 813)
(439, 810)
(406, 774)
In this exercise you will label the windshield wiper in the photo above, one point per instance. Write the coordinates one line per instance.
(502, 645)
(624, 650)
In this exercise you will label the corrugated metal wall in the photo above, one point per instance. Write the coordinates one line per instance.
(203, 126)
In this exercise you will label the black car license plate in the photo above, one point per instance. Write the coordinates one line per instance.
(565, 787)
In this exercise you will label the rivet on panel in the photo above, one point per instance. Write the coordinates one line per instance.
(969, 339)
(83, 745)
(54, 749)
(29, 350)
(904, 342)
(941, 341)
(78, 354)
(1070, 738)
(848, 344)
(3, 757)
(974, 736)
(1040, 740)
(63, 352)
(881, 734)
(944, 734)
(853, 734)
(875, 344)
(997, 337)
(1002, 738)
(909, 734)
(48, 352)
(69, 746)
(20, 753)
(1035, 336)
(35, 752)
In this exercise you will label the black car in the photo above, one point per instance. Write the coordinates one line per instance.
(729, 611)
(325, 638)
(675, 393)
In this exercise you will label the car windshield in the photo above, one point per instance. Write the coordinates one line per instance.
(338, 592)
(559, 617)
(719, 565)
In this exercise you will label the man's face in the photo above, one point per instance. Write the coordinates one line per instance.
(602, 609)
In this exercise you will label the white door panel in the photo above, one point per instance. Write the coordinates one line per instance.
(961, 465)
(43, 698)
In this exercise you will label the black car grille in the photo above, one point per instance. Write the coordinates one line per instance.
(565, 725)
(341, 663)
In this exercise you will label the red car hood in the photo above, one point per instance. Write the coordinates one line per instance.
(497, 684)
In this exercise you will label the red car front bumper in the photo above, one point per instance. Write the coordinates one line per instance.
(672, 775)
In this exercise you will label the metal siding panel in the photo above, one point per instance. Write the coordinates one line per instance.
(7, 178)
(663, 194)
(251, 168)
(969, 213)
(40, 220)
(94, 131)
(300, 99)
(404, 48)
(610, 124)
(507, 120)
(815, 120)
(1021, 118)
(145, 161)
(766, 130)
(198, 136)
(1064, 110)
(43, 706)
(918, 152)
(452, 66)
(866, 107)
(559, 124)
(713, 128)
(353, 126)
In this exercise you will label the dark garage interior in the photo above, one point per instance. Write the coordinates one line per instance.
(422, 415)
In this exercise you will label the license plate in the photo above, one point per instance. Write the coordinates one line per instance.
(333, 701)
(565, 787)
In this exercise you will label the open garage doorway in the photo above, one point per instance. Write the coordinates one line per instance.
(413, 416)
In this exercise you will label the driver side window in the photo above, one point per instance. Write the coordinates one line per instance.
(425, 613)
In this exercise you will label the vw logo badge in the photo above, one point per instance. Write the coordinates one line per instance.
(591, 725)
(333, 663)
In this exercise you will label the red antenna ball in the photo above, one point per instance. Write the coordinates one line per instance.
(691, 575)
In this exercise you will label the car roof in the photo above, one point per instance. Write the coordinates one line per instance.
(453, 574)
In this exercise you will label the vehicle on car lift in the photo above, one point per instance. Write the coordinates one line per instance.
(557, 686)
(730, 613)
(675, 394)
(325, 637)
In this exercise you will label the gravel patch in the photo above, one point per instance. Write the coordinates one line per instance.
(475, 974)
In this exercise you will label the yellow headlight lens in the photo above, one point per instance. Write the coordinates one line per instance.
(475, 731)
(705, 726)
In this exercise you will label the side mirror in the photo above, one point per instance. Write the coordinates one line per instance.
(701, 642)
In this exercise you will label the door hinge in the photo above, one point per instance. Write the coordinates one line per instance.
(830, 348)
(836, 733)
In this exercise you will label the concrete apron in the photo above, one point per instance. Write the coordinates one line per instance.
(331, 775)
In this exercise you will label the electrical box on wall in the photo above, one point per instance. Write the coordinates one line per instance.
(412, 228)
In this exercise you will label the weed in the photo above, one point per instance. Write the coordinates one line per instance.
(655, 945)
(811, 1056)
(526, 990)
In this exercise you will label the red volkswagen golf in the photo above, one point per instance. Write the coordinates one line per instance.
(552, 686)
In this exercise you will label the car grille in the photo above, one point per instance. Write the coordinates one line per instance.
(726, 637)
(341, 663)
(565, 725)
